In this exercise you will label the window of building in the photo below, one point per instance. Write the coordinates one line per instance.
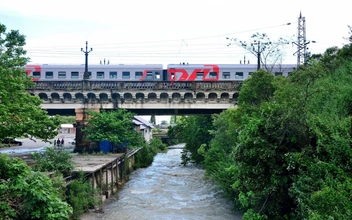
(200, 75)
(100, 75)
(250, 73)
(62, 75)
(226, 75)
(125, 75)
(36, 75)
(113, 75)
(138, 75)
(74, 75)
(239, 75)
(49, 75)
(278, 73)
(212, 75)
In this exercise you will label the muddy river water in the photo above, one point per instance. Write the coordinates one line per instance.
(167, 190)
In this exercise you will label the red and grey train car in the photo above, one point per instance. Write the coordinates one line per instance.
(151, 72)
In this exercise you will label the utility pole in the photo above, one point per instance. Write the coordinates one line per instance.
(301, 41)
(86, 52)
(259, 51)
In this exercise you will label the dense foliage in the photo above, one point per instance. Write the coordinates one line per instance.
(81, 196)
(25, 194)
(145, 156)
(53, 160)
(114, 126)
(194, 131)
(285, 152)
(20, 112)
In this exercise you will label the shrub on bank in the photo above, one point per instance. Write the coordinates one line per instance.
(145, 156)
(81, 196)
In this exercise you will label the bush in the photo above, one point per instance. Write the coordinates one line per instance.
(81, 196)
(145, 156)
(53, 160)
(157, 145)
(25, 194)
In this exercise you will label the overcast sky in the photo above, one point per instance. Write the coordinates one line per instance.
(167, 31)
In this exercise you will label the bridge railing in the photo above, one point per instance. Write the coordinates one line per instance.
(145, 85)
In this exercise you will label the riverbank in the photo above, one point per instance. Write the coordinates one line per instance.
(167, 190)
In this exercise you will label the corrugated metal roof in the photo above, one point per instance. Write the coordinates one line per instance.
(143, 121)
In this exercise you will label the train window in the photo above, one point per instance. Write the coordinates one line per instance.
(278, 73)
(74, 75)
(212, 75)
(157, 75)
(138, 75)
(239, 75)
(100, 75)
(62, 75)
(49, 75)
(113, 75)
(36, 75)
(149, 75)
(226, 75)
(125, 75)
(200, 75)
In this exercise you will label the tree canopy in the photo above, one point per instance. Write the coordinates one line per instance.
(20, 112)
(114, 126)
(285, 152)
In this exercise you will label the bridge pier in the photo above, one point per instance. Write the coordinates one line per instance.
(81, 122)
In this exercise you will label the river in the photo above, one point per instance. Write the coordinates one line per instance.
(167, 190)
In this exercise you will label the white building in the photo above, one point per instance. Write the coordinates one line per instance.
(143, 127)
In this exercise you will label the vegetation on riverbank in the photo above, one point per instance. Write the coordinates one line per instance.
(285, 152)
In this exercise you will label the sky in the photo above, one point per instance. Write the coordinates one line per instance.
(168, 31)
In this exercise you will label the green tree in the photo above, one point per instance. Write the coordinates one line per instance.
(152, 119)
(25, 194)
(20, 112)
(114, 126)
(194, 131)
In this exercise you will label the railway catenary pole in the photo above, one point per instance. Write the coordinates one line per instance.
(259, 51)
(86, 52)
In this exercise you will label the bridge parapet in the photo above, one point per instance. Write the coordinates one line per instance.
(143, 85)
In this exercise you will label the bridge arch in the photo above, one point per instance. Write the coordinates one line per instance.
(67, 96)
(43, 96)
(103, 97)
(128, 96)
(212, 96)
(152, 96)
(176, 97)
(225, 96)
(188, 95)
(91, 96)
(79, 96)
(200, 96)
(140, 96)
(164, 97)
(55, 96)
(115, 96)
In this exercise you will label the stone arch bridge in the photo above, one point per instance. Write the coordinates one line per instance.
(160, 98)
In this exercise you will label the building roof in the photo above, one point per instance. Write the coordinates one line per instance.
(145, 122)
(66, 125)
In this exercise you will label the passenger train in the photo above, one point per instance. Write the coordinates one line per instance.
(151, 72)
